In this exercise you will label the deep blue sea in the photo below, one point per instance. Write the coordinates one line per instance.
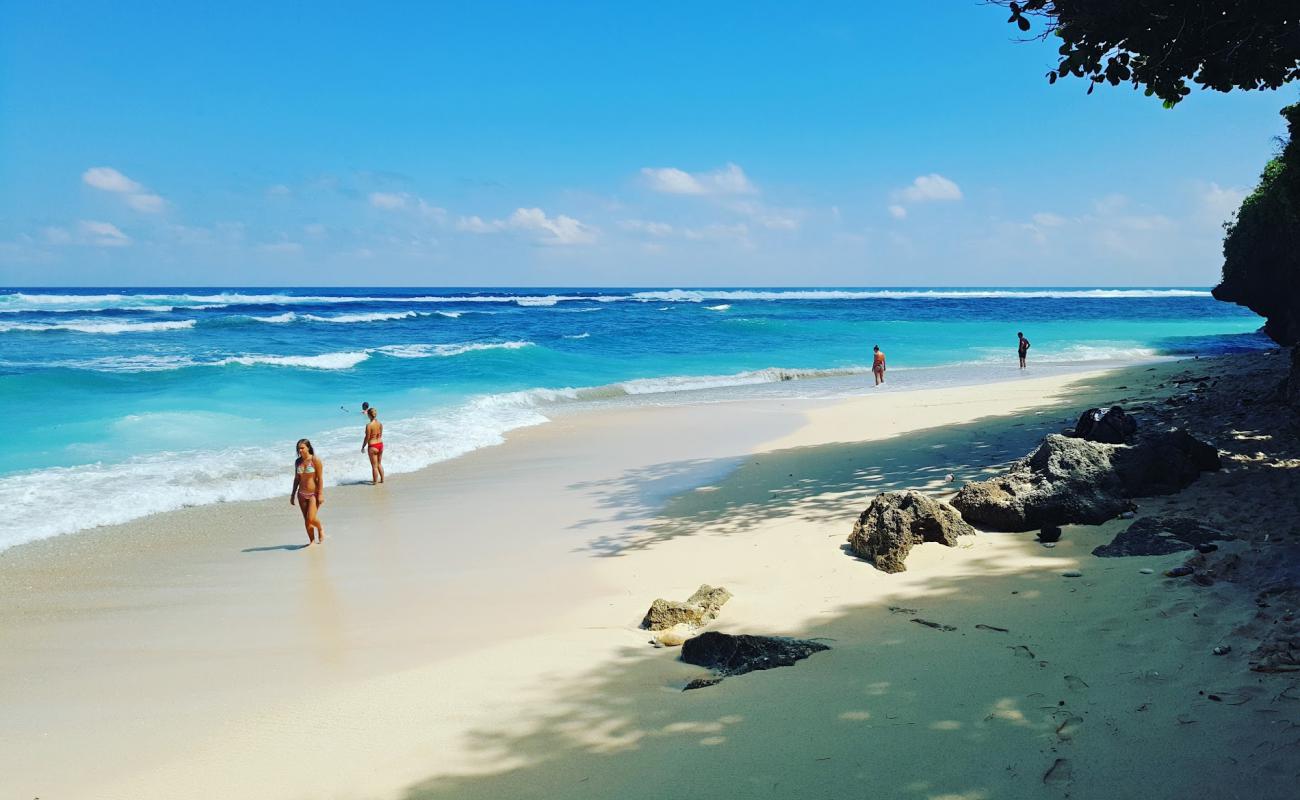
(141, 401)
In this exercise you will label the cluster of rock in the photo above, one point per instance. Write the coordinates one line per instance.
(1074, 480)
(1158, 536)
(895, 522)
(676, 621)
(1087, 477)
(1109, 427)
(727, 654)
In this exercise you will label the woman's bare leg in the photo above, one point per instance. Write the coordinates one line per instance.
(374, 467)
(307, 514)
(315, 520)
(379, 464)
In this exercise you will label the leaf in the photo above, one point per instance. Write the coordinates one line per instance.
(1023, 23)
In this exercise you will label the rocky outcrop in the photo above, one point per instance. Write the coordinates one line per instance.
(699, 609)
(1072, 481)
(1261, 253)
(897, 521)
(728, 654)
(1064, 481)
(1158, 536)
(1290, 388)
(1164, 463)
(1108, 427)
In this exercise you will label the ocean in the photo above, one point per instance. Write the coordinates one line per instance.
(129, 402)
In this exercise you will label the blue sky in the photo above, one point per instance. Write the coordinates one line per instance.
(597, 144)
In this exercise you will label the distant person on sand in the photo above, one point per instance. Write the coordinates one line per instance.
(1024, 348)
(373, 445)
(878, 365)
(308, 481)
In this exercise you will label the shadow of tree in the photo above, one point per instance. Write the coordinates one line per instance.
(893, 710)
(1085, 683)
(825, 482)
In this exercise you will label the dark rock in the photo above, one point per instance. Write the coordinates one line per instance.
(699, 609)
(896, 521)
(700, 683)
(1164, 462)
(1049, 534)
(1158, 536)
(726, 654)
(1289, 391)
(1064, 481)
(1070, 480)
(1110, 427)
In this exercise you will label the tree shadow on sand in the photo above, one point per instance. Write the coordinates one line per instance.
(1014, 702)
(822, 483)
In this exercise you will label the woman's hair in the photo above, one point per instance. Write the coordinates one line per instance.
(371, 412)
(307, 442)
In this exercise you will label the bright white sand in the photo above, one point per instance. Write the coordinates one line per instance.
(470, 630)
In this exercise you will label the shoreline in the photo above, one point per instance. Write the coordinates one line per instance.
(383, 614)
(540, 406)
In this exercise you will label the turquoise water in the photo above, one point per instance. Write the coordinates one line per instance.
(155, 399)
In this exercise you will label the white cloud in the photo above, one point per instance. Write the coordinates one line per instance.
(388, 200)
(56, 235)
(644, 226)
(102, 234)
(731, 179)
(1046, 219)
(107, 179)
(148, 203)
(559, 229)
(924, 189)
(930, 187)
(565, 230)
(314, 229)
(278, 190)
(1219, 203)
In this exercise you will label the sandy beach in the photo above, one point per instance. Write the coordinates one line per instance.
(471, 630)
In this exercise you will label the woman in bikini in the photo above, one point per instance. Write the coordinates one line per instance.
(372, 444)
(308, 481)
(878, 364)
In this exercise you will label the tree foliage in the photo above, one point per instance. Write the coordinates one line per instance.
(1161, 45)
(1261, 253)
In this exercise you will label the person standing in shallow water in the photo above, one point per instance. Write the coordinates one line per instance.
(308, 481)
(372, 444)
(1023, 348)
(878, 364)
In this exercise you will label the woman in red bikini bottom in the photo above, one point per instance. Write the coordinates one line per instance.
(373, 445)
(308, 483)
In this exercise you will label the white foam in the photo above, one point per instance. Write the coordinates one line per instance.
(723, 307)
(583, 335)
(700, 295)
(97, 326)
(323, 361)
(351, 318)
(446, 350)
(449, 314)
(36, 505)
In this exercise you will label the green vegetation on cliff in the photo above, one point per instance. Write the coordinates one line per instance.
(1261, 266)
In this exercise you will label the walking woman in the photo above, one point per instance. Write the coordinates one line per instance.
(372, 444)
(308, 483)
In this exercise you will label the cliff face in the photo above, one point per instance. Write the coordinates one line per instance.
(1261, 253)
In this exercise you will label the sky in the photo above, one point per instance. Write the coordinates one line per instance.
(628, 143)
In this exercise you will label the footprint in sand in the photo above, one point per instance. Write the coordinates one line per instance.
(1075, 683)
(1060, 772)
